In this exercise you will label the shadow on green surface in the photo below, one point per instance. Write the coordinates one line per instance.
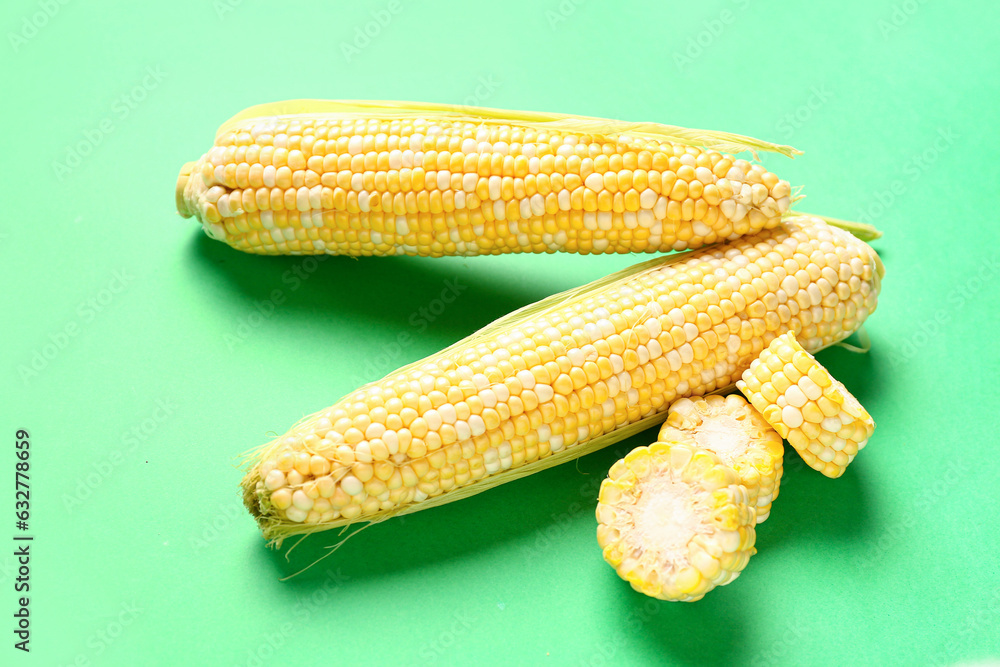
(712, 631)
(392, 293)
(815, 509)
(520, 514)
(861, 374)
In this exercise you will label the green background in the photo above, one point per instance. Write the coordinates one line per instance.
(143, 553)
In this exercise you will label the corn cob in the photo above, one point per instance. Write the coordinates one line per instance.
(561, 378)
(391, 178)
(730, 428)
(823, 422)
(674, 522)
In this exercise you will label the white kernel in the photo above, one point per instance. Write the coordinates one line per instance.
(795, 397)
(433, 419)
(811, 390)
(301, 500)
(351, 485)
(686, 352)
(488, 397)
(296, 515)
(624, 381)
(537, 204)
(617, 363)
(447, 413)
(477, 425)
(502, 393)
(791, 416)
(526, 378)
(633, 396)
(274, 480)
(831, 424)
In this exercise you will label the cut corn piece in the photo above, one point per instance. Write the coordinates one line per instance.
(400, 178)
(674, 522)
(560, 378)
(733, 430)
(815, 413)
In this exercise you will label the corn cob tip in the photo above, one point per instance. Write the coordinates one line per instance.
(182, 181)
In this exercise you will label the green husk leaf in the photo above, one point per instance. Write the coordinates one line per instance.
(861, 230)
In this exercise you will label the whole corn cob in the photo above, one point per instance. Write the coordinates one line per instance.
(561, 378)
(674, 521)
(733, 430)
(814, 412)
(393, 178)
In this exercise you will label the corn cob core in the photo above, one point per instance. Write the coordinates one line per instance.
(674, 522)
(733, 430)
(815, 413)
(391, 181)
(550, 381)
